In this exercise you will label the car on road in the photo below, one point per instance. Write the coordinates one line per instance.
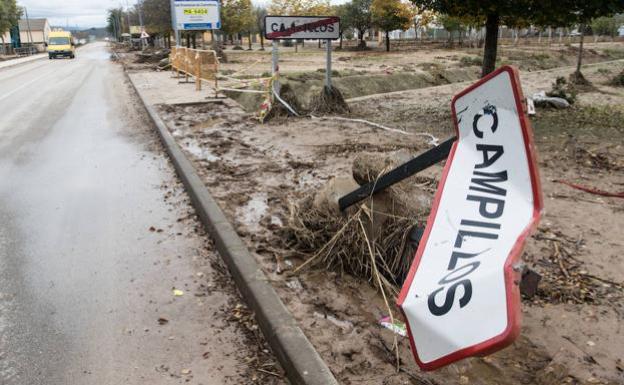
(61, 44)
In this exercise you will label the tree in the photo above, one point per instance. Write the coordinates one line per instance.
(577, 12)
(340, 11)
(10, 14)
(260, 13)
(605, 26)
(358, 15)
(451, 24)
(157, 17)
(422, 18)
(237, 16)
(390, 15)
(492, 12)
(117, 21)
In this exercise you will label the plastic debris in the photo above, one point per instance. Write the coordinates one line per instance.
(178, 293)
(541, 100)
(397, 327)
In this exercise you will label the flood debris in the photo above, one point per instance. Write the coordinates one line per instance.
(329, 101)
(372, 241)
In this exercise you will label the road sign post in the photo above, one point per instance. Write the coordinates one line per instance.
(328, 70)
(303, 27)
(461, 297)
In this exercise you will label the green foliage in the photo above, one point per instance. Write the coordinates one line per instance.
(358, 15)
(299, 7)
(467, 61)
(237, 16)
(607, 26)
(389, 15)
(9, 15)
(618, 80)
(563, 89)
(156, 16)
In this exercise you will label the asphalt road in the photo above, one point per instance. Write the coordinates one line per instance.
(95, 233)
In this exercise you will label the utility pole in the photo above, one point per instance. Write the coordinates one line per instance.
(139, 9)
(128, 14)
(30, 38)
(175, 23)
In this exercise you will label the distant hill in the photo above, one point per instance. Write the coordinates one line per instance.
(82, 33)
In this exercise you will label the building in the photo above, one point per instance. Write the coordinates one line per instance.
(621, 30)
(33, 32)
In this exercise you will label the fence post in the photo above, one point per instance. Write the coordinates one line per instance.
(198, 63)
(216, 76)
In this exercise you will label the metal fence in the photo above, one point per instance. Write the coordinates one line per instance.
(203, 65)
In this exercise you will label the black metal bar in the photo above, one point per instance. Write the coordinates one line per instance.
(414, 166)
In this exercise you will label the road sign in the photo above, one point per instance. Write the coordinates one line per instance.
(196, 15)
(302, 27)
(461, 297)
(144, 35)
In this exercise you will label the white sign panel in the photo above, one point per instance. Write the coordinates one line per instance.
(461, 297)
(302, 27)
(196, 15)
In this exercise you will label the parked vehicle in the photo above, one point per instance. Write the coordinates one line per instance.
(61, 44)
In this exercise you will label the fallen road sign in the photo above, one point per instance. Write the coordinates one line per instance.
(302, 27)
(461, 297)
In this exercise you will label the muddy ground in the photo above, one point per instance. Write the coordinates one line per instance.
(571, 329)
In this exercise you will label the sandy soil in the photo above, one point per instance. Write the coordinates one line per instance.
(571, 331)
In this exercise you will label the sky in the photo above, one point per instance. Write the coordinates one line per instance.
(82, 13)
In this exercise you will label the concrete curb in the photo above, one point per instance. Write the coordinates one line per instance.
(297, 356)
(22, 62)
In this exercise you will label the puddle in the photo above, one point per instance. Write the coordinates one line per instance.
(198, 151)
(251, 214)
(344, 325)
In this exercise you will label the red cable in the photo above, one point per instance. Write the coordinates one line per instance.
(592, 190)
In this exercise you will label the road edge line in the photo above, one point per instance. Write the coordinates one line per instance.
(297, 356)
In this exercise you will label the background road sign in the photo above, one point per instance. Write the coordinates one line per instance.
(302, 27)
(461, 297)
(196, 14)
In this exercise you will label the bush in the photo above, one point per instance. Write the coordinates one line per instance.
(471, 61)
(563, 89)
(618, 80)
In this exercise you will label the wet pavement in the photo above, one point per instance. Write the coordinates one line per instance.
(95, 233)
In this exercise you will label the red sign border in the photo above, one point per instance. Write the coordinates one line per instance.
(268, 37)
(511, 277)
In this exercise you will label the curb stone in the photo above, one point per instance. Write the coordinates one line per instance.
(295, 353)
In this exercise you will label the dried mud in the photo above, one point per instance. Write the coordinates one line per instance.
(571, 331)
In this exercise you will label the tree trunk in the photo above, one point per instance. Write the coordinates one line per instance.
(341, 34)
(415, 30)
(250, 41)
(387, 41)
(491, 44)
(580, 52)
(262, 41)
(194, 38)
(362, 43)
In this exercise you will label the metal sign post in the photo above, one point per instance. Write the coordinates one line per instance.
(302, 27)
(328, 70)
(275, 66)
(461, 297)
